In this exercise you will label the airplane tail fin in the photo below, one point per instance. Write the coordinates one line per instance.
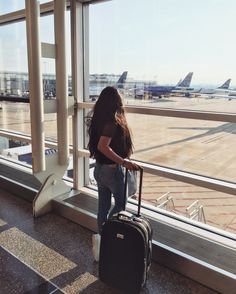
(122, 79)
(225, 85)
(186, 81)
(179, 82)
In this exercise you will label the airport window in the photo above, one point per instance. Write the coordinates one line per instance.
(49, 73)
(199, 206)
(145, 60)
(14, 86)
(191, 145)
(144, 50)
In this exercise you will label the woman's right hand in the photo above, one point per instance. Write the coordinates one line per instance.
(130, 165)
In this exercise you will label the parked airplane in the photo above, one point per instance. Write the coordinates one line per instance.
(160, 91)
(120, 83)
(223, 89)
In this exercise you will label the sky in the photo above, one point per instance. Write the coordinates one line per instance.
(159, 40)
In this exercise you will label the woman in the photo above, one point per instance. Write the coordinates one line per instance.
(111, 145)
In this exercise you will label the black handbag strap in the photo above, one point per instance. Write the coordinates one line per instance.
(140, 188)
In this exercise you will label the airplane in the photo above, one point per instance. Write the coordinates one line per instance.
(121, 81)
(159, 91)
(223, 89)
(221, 92)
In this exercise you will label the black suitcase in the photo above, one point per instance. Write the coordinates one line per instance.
(126, 249)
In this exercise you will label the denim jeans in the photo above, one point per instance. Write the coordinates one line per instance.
(110, 182)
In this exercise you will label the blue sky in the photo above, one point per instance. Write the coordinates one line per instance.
(152, 39)
(165, 39)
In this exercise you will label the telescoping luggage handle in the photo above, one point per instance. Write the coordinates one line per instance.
(140, 188)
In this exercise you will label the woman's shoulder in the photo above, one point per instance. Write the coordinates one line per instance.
(109, 128)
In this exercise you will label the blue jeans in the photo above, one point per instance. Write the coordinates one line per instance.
(110, 181)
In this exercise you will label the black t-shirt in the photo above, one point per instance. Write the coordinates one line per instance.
(114, 131)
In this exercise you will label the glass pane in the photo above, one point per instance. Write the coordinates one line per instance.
(21, 153)
(196, 146)
(14, 80)
(14, 5)
(224, 105)
(192, 202)
(15, 117)
(13, 64)
(169, 63)
(173, 60)
(187, 202)
(16, 150)
(11, 6)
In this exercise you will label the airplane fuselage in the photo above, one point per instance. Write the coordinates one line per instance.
(158, 90)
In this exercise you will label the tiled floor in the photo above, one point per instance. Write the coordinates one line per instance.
(51, 254)
(16, 277)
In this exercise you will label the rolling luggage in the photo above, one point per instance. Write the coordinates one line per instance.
(126, 249)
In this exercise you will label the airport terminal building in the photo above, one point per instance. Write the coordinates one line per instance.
(57, 56)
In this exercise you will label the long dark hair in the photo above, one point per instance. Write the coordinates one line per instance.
(108, 109)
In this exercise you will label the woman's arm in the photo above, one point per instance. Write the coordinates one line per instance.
(104, 148)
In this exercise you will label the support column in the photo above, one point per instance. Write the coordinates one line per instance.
(50, 174)
(80, 68)
(35, 85)
(61, 81)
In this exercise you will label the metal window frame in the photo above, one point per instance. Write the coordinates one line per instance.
(79, 12)
(45, 9)
(19, 15)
